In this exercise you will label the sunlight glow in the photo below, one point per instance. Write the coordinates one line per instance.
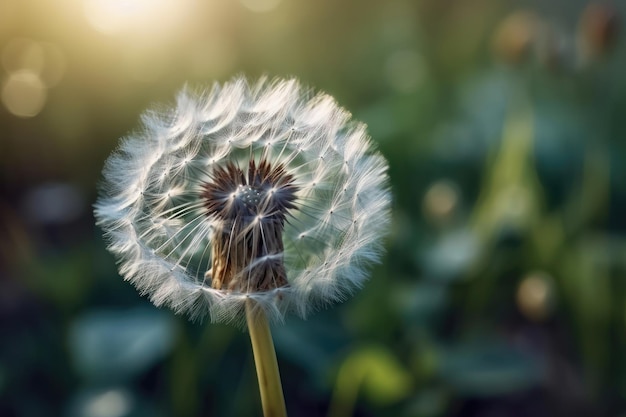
(116, 16)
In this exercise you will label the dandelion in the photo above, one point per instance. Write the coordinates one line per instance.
(245, 202)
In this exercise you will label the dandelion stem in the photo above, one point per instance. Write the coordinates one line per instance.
(265, 360)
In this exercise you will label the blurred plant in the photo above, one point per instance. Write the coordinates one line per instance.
(598, 30)
(372, 369)
(249, 199)
(525, 36)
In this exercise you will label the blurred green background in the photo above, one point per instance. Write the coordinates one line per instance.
(503, 290)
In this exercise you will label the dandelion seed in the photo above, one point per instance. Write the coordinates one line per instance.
(258, 191)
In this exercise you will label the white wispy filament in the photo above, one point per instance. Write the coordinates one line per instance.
(257, 191)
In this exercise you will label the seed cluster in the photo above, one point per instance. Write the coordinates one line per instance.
(247, 249)
(249, 196)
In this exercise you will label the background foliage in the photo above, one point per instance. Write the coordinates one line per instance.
(503, 289)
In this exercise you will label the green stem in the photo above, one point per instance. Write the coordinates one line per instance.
(265, 360)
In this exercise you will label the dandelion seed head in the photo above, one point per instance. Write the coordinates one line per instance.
(246, 191)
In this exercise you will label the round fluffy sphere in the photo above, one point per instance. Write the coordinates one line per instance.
(266, 174)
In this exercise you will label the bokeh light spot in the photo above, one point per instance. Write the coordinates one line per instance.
(441, 200)
(260, 6)
(113, 403)
(44, 59)
(24, 94)
(513, 39)
(534, 296)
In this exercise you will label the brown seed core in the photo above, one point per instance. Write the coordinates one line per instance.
(247, 251)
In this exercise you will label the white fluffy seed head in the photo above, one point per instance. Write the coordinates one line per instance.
(154, 212)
